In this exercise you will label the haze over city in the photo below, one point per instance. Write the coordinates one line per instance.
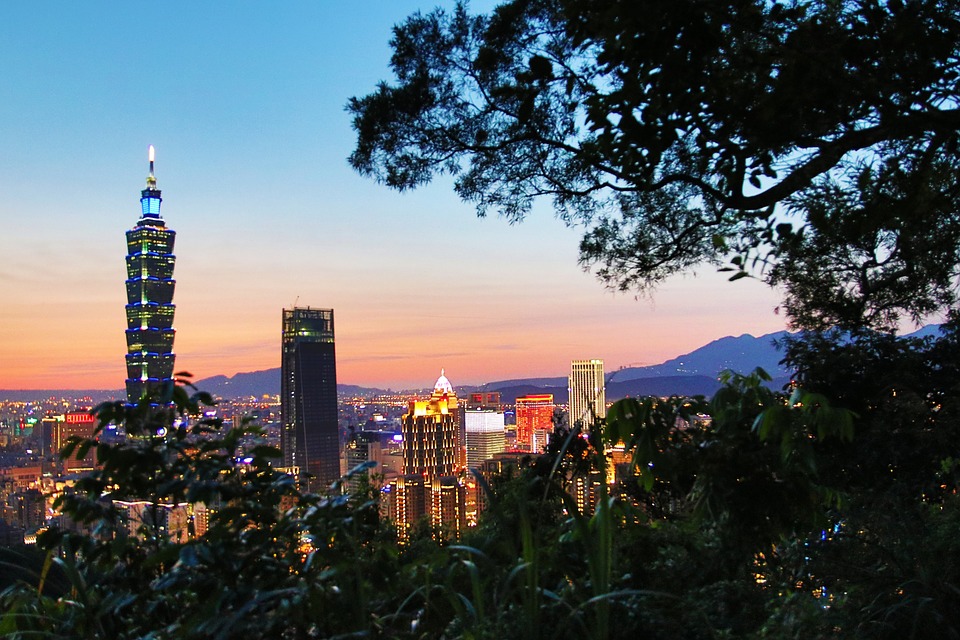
(246, 110)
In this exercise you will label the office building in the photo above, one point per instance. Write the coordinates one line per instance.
(484, 430)
(47, 434)
(310, 438)
(80, 424)
(361, 448)
(448, 498)
(484, 437)
(405, 499)
(150, 306)
(430, 431)
(588, 400)
(479, 401)
(534, 421)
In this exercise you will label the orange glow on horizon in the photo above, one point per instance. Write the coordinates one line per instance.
(386, 361)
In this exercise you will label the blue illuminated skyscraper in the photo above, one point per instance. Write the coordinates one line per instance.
(150, 306)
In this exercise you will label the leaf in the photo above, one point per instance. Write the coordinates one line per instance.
(771, 421)
(625, 419)
(84, 448)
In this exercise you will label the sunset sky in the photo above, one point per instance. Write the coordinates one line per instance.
(244, 102)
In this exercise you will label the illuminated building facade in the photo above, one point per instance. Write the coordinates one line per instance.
(430, 431)
(81, 424)
(484, 430)
(586, 491)
(485, 400)
(150, 306)
(588, 399)
(448, 497)
(406, 501)
(534, 421)
(310, 438)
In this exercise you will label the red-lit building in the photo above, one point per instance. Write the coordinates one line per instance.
(534, 421)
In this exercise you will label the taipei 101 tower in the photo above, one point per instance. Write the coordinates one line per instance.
(149, 298)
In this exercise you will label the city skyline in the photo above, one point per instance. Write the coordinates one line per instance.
(246, 112)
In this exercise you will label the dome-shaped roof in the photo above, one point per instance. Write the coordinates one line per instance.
(443, 385)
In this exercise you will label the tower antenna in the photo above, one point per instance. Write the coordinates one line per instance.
(151, 156)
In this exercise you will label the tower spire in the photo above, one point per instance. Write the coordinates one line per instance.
(151, 156)
(150, 197)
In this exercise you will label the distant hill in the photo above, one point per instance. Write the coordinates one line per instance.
(741, 354)
(253, 383)
(536, 383)
(931, 330)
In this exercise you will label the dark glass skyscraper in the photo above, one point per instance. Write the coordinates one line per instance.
(149, 298)
(310, 439)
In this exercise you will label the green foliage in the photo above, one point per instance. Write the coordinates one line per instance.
(888, 561)
(815, 138)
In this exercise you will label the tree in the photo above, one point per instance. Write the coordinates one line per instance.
(813, 142)
(886, 562)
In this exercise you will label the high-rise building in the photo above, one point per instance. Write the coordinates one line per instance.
(448, 499)
(47, 433)
(406, 502)
(363, 447)
(150, 306)
(588, 399)
(484, 430)
(81, 424)
(310, 439)
(486, 401)
(534, 421)
(430, 431)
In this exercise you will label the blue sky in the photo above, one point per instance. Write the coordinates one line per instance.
(245, 104)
